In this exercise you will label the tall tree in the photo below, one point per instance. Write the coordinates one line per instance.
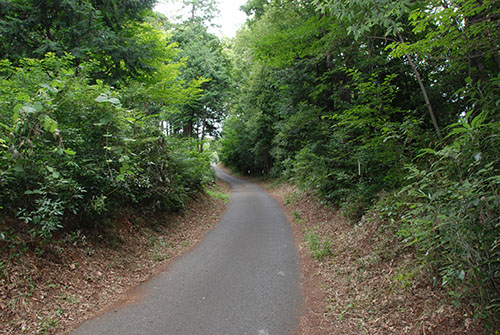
(98, 29)
(202, 10)
(204, 57)
(362, 16)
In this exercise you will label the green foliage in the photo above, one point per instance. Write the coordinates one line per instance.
(76, 149)
(362, 15)
(455, 29)
(203, 55)
(72, 153)
(451, 211)
(449, 208)
(100, 30)
(282, 33)
(46, 218)
(319, 247)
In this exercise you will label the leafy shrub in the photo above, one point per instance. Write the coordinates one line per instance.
(320, 248)
(450, 212)
(72, 153)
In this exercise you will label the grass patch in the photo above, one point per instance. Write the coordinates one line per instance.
(319, 247)
(297, 217)
(291, 198)
(218, 195)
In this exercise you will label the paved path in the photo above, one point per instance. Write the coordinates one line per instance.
(241, 279)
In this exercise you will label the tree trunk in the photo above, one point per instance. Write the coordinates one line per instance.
(188, 129)
(329, 63)
(424, 91)
(202, 136)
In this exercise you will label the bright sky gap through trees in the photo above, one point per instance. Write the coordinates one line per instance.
(230, 18)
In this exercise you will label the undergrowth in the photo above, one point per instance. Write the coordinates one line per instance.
(319, 246)
(74, 150)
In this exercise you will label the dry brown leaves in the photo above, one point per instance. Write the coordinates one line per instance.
(50, 290)
(370, 284)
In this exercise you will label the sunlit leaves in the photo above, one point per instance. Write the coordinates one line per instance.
(206, 65)
(66, 139)
(457, 31)
(362, 15)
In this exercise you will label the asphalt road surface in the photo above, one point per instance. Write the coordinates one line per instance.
(243, 278)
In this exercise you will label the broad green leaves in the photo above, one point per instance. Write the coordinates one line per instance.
(362, 15)
(103, 97)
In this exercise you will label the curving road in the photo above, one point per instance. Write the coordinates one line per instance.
(241, 279)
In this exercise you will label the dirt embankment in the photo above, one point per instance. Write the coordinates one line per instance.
(359, 279)
(50, 289)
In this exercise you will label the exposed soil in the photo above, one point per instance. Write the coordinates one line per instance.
(51, 289)
(366, 281)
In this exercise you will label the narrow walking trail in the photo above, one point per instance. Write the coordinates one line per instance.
(243, 278)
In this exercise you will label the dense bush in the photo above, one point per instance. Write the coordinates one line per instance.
(449, 212)
(72, 153)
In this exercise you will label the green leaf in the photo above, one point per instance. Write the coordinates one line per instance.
(478, 121)
(28, 109)
(54, 172)
(125, 168)
(456, 131)
(114, 101)
(105, 98)
(38, 107)
(69, 152)
(5, 127)
(30, 192)
(426, 151)
(102, 98)
(49, 88)
(104, 120)
(49, 124)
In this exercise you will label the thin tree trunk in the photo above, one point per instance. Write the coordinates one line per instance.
(424, 91)
(202, 136)
(329, 63)
(188, 129)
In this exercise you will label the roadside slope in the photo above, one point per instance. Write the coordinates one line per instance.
(359, 279)
(51, 288)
